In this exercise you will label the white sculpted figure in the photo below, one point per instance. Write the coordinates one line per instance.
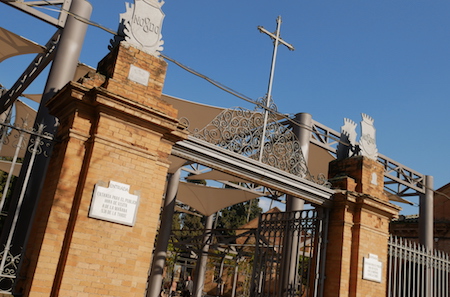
(141, 26)
(347, 144)
(367, 141)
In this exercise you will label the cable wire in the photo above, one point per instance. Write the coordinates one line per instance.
(217, 84)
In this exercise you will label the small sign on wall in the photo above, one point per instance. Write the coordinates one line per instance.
(138, 75)
(372, 268)
(114, 204)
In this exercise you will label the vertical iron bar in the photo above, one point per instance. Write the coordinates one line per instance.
(22, 193)
(11, 170)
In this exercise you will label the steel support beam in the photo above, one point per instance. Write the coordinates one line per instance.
(218, 158)
(27, 7)
(28, 76)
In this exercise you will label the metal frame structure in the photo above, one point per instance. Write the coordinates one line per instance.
(399, 179)
(28, 7)
(215, 157)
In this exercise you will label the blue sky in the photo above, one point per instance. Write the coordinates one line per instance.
(389, 59)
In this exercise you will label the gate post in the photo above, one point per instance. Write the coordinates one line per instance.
(97, 218)
(358, 229)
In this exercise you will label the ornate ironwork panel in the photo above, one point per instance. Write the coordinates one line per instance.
(241, 131)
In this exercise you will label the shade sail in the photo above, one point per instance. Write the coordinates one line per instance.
(197, 115)
(175, 163)
(81, 71)
(217, 175)
(6, 166)
(13, 45)
(23, 113)
(209, 200)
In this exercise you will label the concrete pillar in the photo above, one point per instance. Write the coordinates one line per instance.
(291, 244)
(165, 228)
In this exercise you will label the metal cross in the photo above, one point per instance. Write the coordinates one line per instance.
(277, 40)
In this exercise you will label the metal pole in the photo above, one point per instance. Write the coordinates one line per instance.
(293, 204)
(426, 228)
(235, 278)
(199, 280)
(426, 214)
(62, 71)
(303, 133)
(160, 254)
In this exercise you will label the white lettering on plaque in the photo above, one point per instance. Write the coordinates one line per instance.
(372, 268)
(138, 75)
(114, 204)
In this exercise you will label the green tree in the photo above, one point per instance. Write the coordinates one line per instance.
(235, 216)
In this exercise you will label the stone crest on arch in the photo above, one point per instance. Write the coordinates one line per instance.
(141, 25)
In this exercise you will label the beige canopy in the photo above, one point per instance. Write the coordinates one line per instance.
(6, 167)
(13, 45)
(209, 200)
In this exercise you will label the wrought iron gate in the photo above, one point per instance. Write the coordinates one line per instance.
(19, 139)
(289, 254)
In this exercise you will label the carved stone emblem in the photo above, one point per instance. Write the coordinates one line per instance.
(141, 25)
(347, 144)
(367, 141)
(348, 147)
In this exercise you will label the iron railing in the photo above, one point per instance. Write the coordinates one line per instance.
(414, 271)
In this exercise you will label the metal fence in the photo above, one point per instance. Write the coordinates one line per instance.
(414, 271)
(289, 254)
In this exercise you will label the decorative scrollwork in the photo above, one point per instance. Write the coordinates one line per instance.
(263, 102)
(8, 276)
(241, 131)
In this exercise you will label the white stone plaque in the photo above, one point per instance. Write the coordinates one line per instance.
(114, 204)
(372, 268)
(138, 75)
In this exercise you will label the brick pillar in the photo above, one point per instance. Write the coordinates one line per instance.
(114, 127)
(358, 228)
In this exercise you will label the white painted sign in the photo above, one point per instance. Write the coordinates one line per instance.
(114, 204)
(138, 75)
(372, 268)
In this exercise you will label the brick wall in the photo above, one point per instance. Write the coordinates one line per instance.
(112, 129)
(358, 227)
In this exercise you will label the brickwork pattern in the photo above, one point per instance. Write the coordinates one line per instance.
(359, 224)
(106, 133)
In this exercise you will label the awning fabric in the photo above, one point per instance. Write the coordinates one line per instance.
(6, 166)
(209, 200)
(217, 175)
(13, 45)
